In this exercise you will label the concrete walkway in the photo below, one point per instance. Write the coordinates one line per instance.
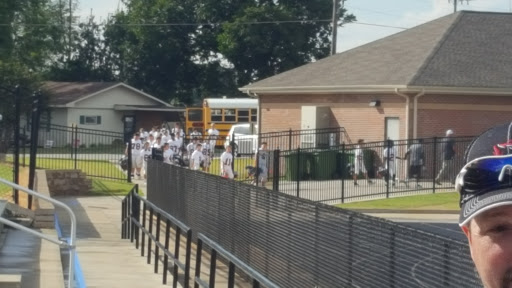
(106, 260)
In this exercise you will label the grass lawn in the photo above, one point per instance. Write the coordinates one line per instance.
(439, 201)
(240, 164)
(89, 167)
(5, 173)
(110, 188)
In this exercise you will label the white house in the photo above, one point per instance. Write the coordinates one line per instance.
(101, 106)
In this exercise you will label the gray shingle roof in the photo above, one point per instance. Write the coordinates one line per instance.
(62, 93)
(464, 49)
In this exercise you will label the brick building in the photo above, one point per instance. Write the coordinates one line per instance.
(451, 73)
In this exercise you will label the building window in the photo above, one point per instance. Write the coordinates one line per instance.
(229, 115)
(90, 120)
(243, 116)
(216, 115)
(254, 115)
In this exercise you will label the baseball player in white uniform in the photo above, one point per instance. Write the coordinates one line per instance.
(261, 160)
(213, 135)
(196, 158)
(146, 154)
(168, 153)
(359, 163)
(389, 156)
(225, 164)
(206, 148)
(137, 158)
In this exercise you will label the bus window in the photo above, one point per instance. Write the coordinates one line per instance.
(229, 115)
(195, 115)
(254, 115)
(216, 115)
(243, 116)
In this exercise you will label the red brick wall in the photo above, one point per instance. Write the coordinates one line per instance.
(283, 112)
(467, 115)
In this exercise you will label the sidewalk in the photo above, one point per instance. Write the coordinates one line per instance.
(106, 260)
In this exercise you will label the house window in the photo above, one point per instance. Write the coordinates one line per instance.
(90, 120)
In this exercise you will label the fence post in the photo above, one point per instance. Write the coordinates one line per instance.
(290, 139)
(75, 132)
(276, 170)
(298, 172)
(129, 155)
(233, 152)
(434, 164)
(343, 167)
(387, 176)
(24, 140)
(36, 107)
(17, 109)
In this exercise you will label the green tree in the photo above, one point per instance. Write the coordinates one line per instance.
(90, 59)
(278, 43)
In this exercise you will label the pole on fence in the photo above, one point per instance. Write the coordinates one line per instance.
(76, 144)
(343, 167)
(233, 152)
(434, 164)
(276, 172)
(17, 110)
(290, 139)
(36, 107)
(129, 154)
(388, 169)
(298, 172)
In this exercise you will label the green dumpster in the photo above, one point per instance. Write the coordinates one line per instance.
(324, 165)
(293, 169)
(344, 162)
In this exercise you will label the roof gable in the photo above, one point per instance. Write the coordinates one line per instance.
(69, 93)
(466, 49)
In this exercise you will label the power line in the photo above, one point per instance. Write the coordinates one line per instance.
(220, 23)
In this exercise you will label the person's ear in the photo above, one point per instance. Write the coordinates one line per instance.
(467, 232)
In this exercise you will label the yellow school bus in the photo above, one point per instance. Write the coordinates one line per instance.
(224, 112)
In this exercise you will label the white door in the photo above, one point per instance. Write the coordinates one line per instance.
(392, 128)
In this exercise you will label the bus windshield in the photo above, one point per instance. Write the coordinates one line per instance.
(195, 115)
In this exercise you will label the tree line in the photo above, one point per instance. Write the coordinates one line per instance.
(176, 50)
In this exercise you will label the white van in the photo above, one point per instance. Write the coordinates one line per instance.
(246, 138)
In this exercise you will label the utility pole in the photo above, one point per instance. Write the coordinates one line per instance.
(455, 4)
(70, 28)
(335, 17)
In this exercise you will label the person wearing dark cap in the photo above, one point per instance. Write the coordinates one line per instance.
(448, 155)
(485, 187)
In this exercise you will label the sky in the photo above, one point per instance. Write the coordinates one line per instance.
(372, 15)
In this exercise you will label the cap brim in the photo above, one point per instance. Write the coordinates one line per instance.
(480, 204)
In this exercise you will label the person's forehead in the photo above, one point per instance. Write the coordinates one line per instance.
(500, 212)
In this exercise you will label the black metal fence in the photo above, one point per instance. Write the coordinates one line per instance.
(299, 243)
(95, 152)
(327, 175)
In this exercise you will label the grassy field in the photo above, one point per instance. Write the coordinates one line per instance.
(6, 173)
(110, 188)
(440, 201)
(240, 164)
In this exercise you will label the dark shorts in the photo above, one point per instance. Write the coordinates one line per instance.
(414, 170)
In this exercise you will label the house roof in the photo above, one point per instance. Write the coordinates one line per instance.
(466, 49)
(65, 93)
(62, 93)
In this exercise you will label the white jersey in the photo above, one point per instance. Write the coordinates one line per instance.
(358, 160)
(137, 147)
(225, 160)
(195, 160)
(190, 148)
(175, 145)
(263, 158)
(145, 134)
(206, 149)
(147, 154)
(196, 134)
(168, 155)
(392, 157)
(166, 138)
(214, 135)
(179, 134)
(156, 145)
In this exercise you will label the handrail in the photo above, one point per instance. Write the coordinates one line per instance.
(70, 245)
(255, 275)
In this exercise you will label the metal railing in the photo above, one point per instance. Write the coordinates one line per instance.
(133, 222)
(233, 263)
(64, 244)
